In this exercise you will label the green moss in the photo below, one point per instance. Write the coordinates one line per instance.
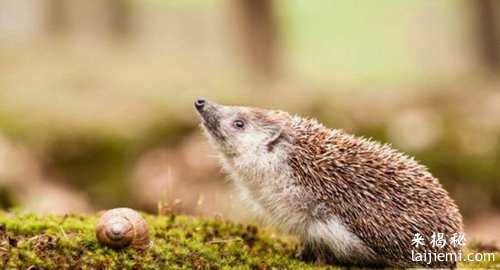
(178, 242)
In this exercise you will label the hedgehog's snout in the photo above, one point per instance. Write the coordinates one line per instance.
(210, 115)
(207, 110)
(205, 107)
(199, 104)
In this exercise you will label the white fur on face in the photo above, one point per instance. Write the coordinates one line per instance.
(251, 144)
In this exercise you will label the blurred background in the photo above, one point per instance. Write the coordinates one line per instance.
(96, 96)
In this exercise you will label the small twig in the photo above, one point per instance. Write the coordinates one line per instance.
(33, 238)
(61, 228)
(63, 232)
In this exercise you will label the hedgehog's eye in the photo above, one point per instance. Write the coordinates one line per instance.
(238, 124)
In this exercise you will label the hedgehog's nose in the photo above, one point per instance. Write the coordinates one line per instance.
(199, 104)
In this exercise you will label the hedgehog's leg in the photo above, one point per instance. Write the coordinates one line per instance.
(306, 252)
(317, 253)
(326, 256)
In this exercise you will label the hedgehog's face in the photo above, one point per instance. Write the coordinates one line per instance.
(242, 131)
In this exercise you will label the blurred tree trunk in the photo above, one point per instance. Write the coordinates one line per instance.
(120, 14)
(487, 28)
(259, 36)
(56, 16)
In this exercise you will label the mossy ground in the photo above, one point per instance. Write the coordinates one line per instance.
(178, 242)
(29, 241)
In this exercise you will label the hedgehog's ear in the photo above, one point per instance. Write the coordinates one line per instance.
(277, 136)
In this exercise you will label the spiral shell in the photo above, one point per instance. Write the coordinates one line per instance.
(122, 227)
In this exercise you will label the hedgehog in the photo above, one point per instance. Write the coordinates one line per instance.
(349, 200)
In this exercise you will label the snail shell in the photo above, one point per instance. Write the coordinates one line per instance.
(122, 227)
